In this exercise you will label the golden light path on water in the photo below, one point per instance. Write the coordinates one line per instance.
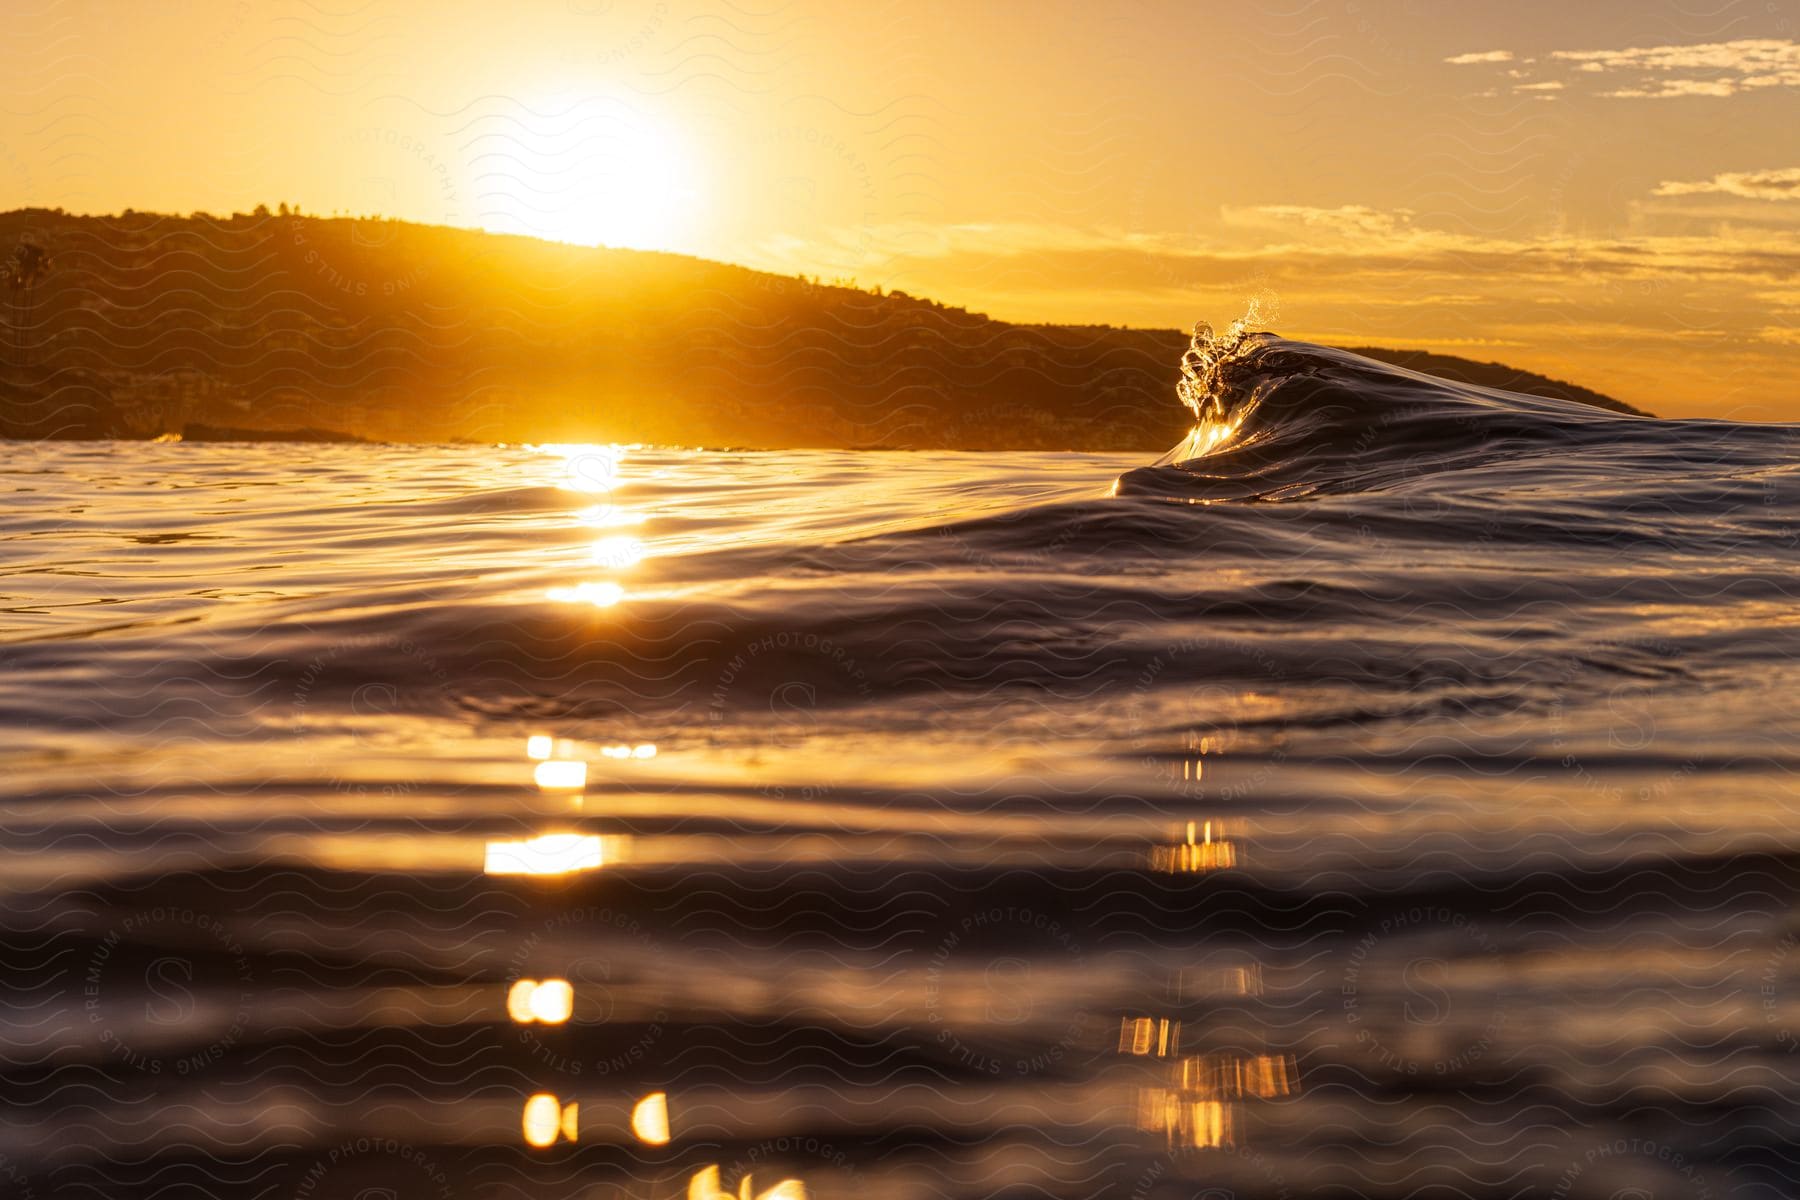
(595, 469)
(565, 801)
(1196, 1106)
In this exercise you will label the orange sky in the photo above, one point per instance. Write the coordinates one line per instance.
(1608, 192)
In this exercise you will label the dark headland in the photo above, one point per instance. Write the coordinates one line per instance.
(309, 328)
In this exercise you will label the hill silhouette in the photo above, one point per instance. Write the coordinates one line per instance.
(142, 324)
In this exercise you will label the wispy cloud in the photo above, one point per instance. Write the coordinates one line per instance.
(1745, 56)
(1349, 220)
(1783, 184)
(1708, 69)
(1665, 89)
(1299, 241)
(1481, 56)
(1701, 69)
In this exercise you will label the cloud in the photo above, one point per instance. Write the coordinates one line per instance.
(1481, 56)
(1700, 69)
(1668, 88)
(1711, 69)
(1349, 219)
(1742, 56)
(1349, 242)
(1783, 184)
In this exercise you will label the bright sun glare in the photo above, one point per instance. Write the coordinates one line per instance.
(588, 170)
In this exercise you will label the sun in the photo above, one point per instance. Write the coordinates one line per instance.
(588, 170)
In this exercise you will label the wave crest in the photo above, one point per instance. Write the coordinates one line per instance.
(1275, 418)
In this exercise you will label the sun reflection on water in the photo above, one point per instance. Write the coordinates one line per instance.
(1199, 1108)
(546, 1119)
(600, 594)
(705, 1186)
(560, 775)
(1148, 1036)
(547, 854)
(1200, 852)
(1199, 1100)
(605, 516)
(596, 469)
(543, 1001)
(619, 553)
(650, 1119)
(587, 468)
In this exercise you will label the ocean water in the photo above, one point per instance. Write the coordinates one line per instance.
(1391, 794)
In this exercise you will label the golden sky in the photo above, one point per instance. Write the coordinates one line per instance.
(1606, 191)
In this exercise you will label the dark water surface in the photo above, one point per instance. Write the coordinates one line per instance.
(1397, 800)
